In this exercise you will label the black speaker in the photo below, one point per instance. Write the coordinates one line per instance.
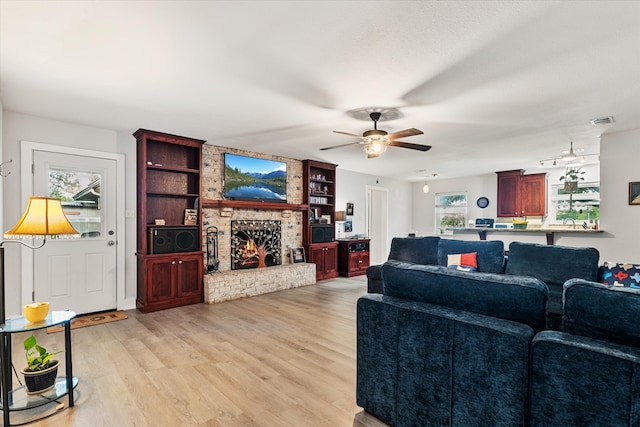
(322, 233)
(164, 240)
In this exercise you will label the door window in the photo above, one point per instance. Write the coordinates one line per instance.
(79, 192)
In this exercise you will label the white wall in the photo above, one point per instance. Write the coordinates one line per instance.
(352, 187)
(620, 222)
(619, 154)
(19, 127)
(7, 169)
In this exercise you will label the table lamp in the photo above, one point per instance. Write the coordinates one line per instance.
(43, 217)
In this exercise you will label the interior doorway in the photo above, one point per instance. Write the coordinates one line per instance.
(378, 223)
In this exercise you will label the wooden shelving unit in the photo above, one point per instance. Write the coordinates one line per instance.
(318, 238)
(170, 256)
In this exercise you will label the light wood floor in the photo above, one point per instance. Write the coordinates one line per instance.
(281, 359)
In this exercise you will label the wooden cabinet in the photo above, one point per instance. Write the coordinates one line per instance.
(170, 280)
(169, 252)
(325, 257)
(353, 257)
(318, 233)
(521, 195)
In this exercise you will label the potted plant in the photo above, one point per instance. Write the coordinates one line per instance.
(571, 178)
(41, 370)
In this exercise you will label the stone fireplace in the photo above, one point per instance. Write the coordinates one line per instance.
(246, 279)
(255, 244)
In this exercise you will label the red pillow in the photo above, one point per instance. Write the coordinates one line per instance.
(464, 262)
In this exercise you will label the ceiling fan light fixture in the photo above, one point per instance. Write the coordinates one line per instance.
(375, 141)
(375, 148)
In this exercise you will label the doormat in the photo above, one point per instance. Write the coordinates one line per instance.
(90, 320)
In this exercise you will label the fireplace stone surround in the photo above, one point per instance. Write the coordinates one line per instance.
(226, 284)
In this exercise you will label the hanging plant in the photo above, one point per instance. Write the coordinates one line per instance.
(571, 179)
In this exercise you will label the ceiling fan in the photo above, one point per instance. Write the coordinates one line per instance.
(375, 141)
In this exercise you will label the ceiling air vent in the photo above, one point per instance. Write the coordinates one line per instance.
(602, 121)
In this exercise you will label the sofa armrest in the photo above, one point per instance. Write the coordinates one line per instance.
(374, 279)
(595, 310)
(577, 380)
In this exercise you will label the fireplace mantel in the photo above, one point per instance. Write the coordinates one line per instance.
(242, 204)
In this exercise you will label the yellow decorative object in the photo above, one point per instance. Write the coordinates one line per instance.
(36, 312)
(519, 224)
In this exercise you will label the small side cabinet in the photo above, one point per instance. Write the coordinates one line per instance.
(353, 257)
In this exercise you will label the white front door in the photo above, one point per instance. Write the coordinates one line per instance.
(78, 274)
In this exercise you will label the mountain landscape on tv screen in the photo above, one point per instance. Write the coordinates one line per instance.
(250, 179)
(271, 175)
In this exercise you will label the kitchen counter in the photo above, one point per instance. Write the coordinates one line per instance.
(549, 232)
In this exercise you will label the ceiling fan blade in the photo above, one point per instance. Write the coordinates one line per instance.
(406, 132)
(338, 146)
(347, 133)
(409, 145)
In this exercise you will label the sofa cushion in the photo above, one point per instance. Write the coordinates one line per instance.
(418, 250)
(599, 311)
(521, 299)
(463, 262)
(616, 274)
(554, 265)
(490, 253)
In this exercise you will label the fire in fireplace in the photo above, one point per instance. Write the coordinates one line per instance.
(255, 244)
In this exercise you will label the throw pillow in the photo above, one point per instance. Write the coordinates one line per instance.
(463, 262)
(618, 274)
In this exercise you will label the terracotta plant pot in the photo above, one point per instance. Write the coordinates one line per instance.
(40, 381)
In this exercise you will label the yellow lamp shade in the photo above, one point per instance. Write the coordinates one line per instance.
(36, 312)
(43, 217)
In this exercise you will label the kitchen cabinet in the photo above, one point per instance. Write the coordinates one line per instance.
(353, 257)
(521, 195)
(325, 257)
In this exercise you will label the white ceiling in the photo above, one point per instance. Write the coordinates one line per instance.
(494, 85)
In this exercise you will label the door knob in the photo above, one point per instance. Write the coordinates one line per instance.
(111, 243)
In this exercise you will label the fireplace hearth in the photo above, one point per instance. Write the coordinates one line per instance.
(255, 244)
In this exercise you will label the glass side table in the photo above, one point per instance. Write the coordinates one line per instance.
(18, 399)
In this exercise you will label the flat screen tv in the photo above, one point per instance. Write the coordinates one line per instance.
(254, 179)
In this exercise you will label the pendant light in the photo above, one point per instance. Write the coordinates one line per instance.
(425, 187)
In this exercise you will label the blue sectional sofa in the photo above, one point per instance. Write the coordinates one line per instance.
(552, 264)
(443, 347)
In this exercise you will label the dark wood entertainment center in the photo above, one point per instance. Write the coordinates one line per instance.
(169, 253)
(319, 192)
